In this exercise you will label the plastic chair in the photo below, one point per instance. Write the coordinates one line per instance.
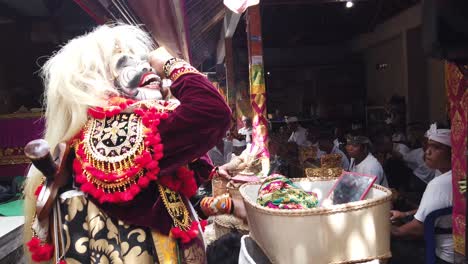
(429, 232)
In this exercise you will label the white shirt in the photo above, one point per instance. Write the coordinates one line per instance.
(216, 156)
(401, 148)
(336, 143)
(398, 137)
(247, 132)
(415, 161)
(370, 166)
(438, 195)
(299, 136)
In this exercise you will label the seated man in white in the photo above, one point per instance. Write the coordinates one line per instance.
(243, 136)
(415, 161)
(437, 195)
(299, 134)
(325, 141)
(362, 161)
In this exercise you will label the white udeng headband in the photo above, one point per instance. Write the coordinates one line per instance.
(439, 135)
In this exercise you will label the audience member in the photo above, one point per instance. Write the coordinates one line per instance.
(325, 142)
(243, 136)
(362, 160)
(437, 195)
(299, 134)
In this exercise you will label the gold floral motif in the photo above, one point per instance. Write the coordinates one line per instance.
(97, 238)
(183, 71)
(166, 248)
(452, 78)
(137, 255)
(161, 106)
(103, 252)
(330, 161)
(80, 245)
(457, 128)
(306, 153)
(458, 172)
(175, 207)
(323, 172)
(464, 103)
(128, 127)
(459, 244)
(13, 156)
(74, 207)
(194, 254)
(460, 223)
(119, 186)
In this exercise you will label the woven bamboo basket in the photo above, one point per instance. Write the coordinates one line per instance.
(348, 233)
(218, 185)
(224, 224)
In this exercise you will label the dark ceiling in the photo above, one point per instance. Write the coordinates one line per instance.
(295, 23)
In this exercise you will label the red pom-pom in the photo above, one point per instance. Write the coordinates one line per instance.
(170, 182)
(158, 148)
(189, 184)
(62, 261)
(186, 236)
(152, 165)
(180, 235)
(144, 158)
(143, 182)
(157, 155)
(97, 112)
(134, 190)
(40, 252)
(33, 244)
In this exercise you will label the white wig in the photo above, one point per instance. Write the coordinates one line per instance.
(79, 76)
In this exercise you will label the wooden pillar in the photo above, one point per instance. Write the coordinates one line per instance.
(230, 80)
(257, 84)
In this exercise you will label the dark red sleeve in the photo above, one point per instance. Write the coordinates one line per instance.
(199, 122)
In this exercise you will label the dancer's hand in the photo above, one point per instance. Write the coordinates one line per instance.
(157, 59)
(395, 215)
(239, 209)
(224, 173)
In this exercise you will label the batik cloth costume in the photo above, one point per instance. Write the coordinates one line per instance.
(134, 162)
(279, 192)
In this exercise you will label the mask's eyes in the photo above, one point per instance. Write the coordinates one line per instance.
(126, 61)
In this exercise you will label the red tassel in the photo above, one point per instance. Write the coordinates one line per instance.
(38, 190)
(62, 261)
(186, 236)
(40, 252)
(203, 224)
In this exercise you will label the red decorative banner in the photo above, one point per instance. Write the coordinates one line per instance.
(457, 94)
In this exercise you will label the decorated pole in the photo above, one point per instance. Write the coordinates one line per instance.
(257, 85)
(230, 83)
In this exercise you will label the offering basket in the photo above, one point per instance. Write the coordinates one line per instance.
(347, 233)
